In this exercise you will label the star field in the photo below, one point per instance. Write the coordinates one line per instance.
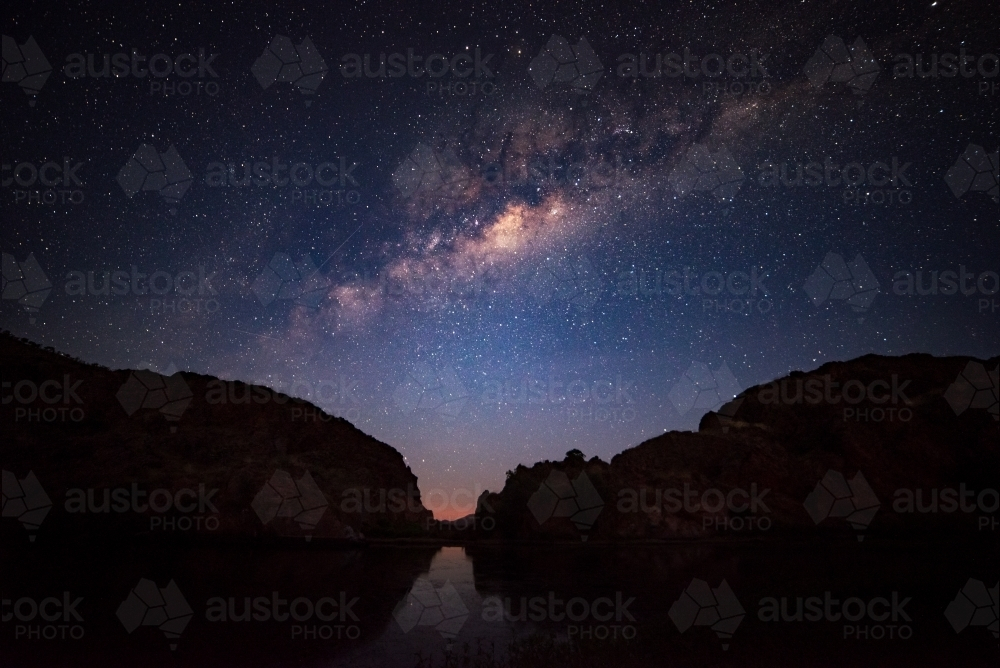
(495, 276)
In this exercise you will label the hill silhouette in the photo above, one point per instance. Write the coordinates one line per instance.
(922, 431)
(104, 445)
(875, 444)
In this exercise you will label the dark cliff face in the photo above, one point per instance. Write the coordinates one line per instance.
(268, 464)
(921, 431)
(781, 457)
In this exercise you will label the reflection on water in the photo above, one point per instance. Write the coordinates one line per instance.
(702, 603)
(439, 614)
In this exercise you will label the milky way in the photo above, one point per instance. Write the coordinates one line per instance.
(528, 253)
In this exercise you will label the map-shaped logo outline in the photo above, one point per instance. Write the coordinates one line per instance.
(702, 388)
(702, 605)
(25, 65)
(975, 605)
(975, 171)
(149, 605)
(570, 279)
(24, 282)
(284, 279)
(425, 389)
(302, 66)
(701, 170)
(975, 387)
(301, 501)
(560, 62)
(432, 174)
(25, 500)
(558, 496)
(148, 170)
(834, 279)
(834, 61)
(835, 496)
(168, 393)
(427, 605)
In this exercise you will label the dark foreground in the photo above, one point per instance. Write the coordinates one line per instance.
(879, 602)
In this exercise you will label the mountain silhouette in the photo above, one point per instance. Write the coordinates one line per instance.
(911, 425)
(269, 464)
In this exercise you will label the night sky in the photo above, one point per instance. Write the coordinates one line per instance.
(521, 255)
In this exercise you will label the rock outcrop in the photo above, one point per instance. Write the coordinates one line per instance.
(873, 445)
(115, 453)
